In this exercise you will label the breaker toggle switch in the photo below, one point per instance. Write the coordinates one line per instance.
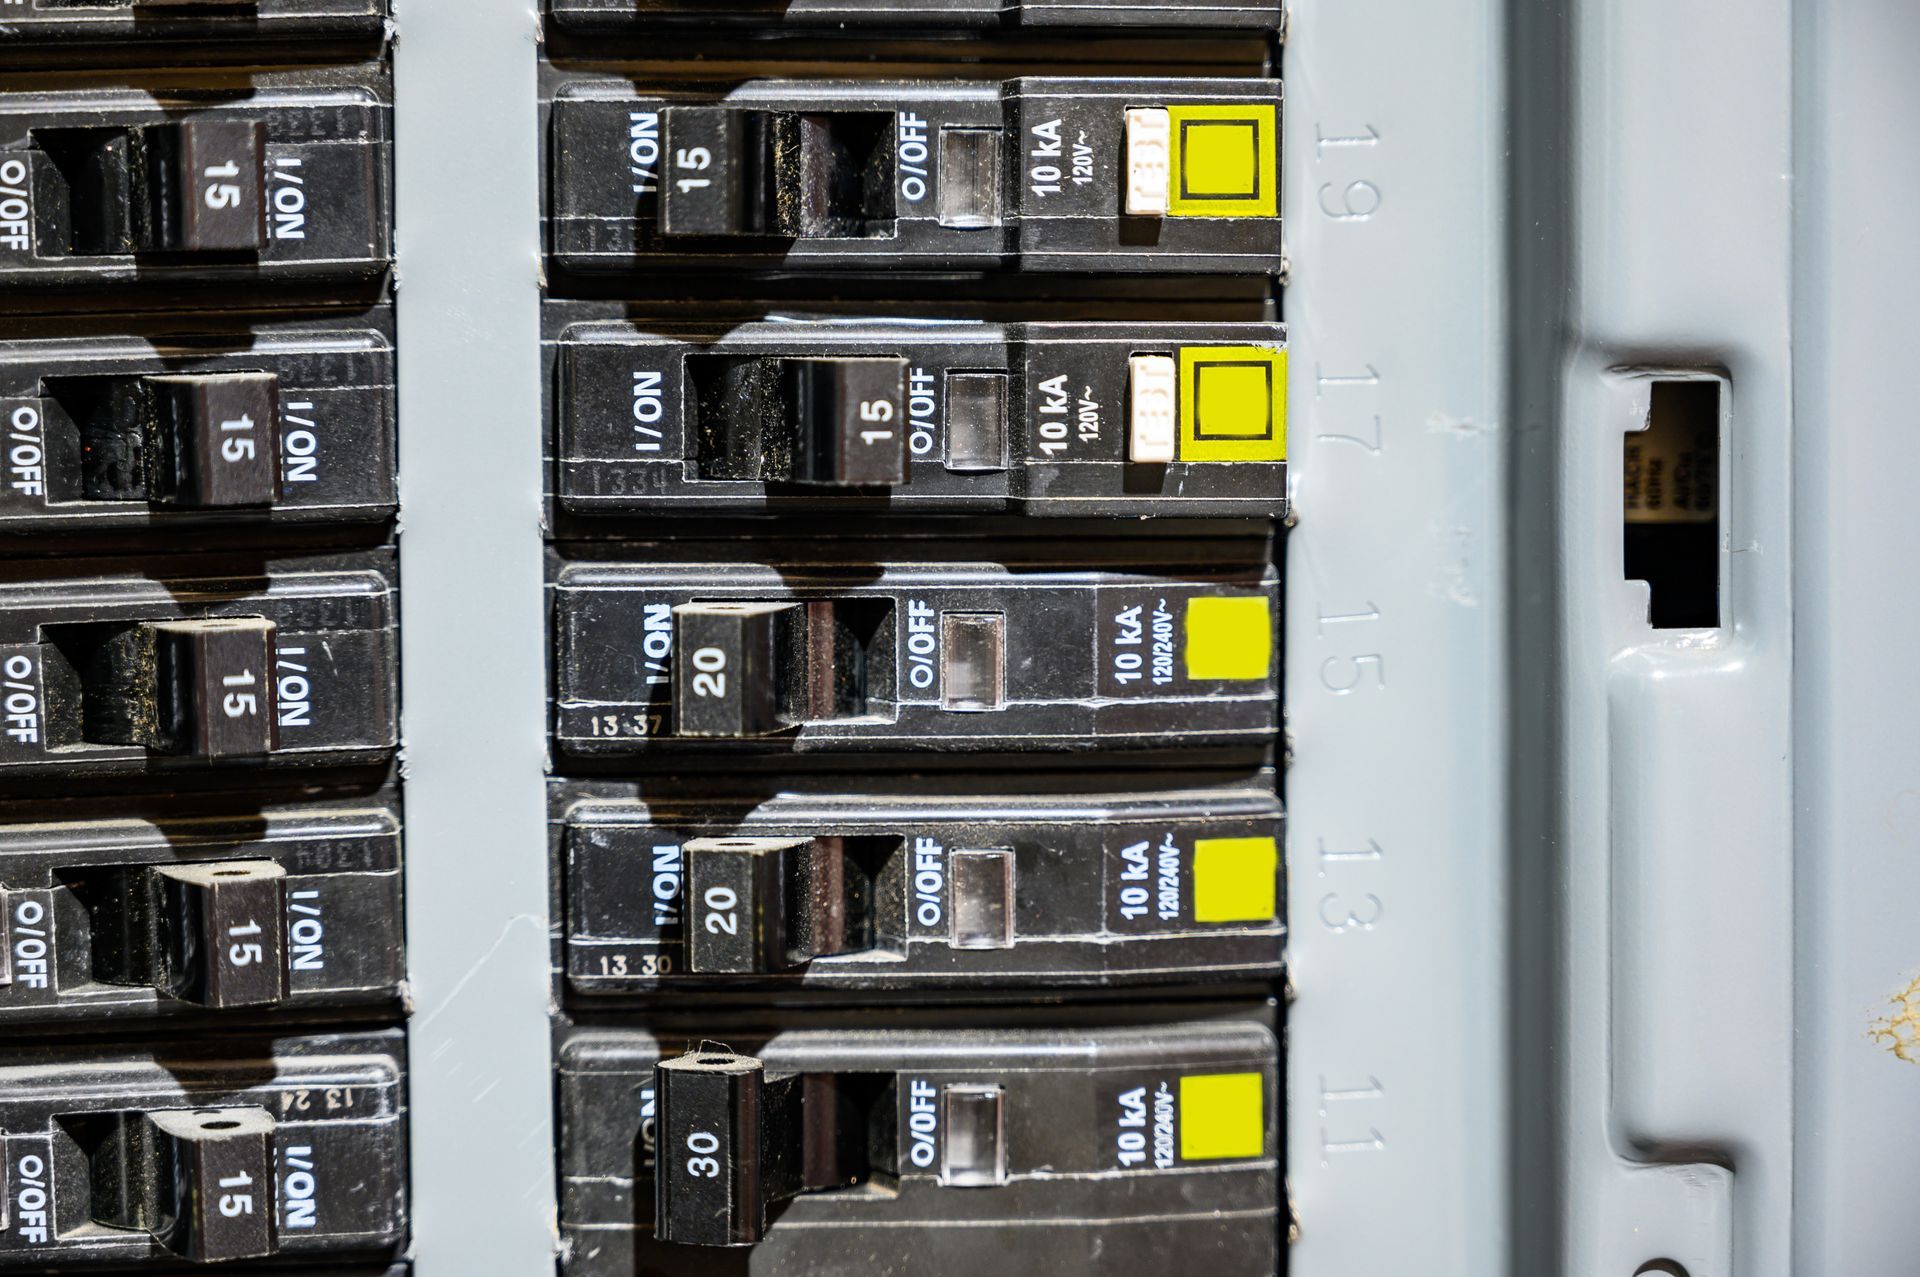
(744, 1140)
(730, 673)
(748, 669)
(758, 905)
(210, 933)
(201, 687)
(189, 186)
(719, 183)
(849, 416)
(191, 440)
(741, 173)
(199, 1180)
(832, 422)
(220, 434)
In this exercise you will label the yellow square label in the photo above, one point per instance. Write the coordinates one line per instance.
(1225, 161)
(1222, 1115)
(1233, 403)
(1236, 879)
(1229, 638)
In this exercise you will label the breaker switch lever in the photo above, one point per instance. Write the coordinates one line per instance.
(211, 933)
(749, 669)
(772, 904)
(187, 186)
(201, 687)
(731, 664)
(717, 180)
(848, 418)
(827, 422)
(200, 1180)
(743, 1140)
(737, 172)
(188, 440)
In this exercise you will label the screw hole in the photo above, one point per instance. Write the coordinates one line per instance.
(224, 1124)
(1661, 1268)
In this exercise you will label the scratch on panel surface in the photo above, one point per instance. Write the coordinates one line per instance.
(1447, 424)
(480, 964)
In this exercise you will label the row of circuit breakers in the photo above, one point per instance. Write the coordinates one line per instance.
(914, 837)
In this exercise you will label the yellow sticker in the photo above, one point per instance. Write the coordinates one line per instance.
(1230, 638)
(1235, 879)
(1233, 403)
(1225, 161)
(1222, 1115)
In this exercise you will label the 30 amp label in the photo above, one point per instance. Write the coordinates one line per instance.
(1077, 1133)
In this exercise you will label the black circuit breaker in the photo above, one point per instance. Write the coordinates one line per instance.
(934, 1146)
(798, 414)
(216, 1152)
(182, 665)
(62, 23)
(710, 661)
(1038, 174)
(241, 913)
(119, 424)
(121, 185)
(916, 15)
(959, 884)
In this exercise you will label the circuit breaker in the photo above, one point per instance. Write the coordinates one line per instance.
(938, 656)
(865, 884)
(1035, 174)
(795, 414)
(1152, 1141)
(126, 422)
(288, 184)
(187, 664)
(180, 1154)
(230, 909)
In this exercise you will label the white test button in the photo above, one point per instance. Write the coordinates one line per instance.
(1149, 161)
(1151, 409)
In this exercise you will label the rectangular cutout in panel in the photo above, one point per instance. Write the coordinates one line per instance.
(1671, 503)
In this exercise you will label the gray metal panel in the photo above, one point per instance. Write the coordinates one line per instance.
(1395, 634)
(474, 637)
(1857, 701)
(1677, 835)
